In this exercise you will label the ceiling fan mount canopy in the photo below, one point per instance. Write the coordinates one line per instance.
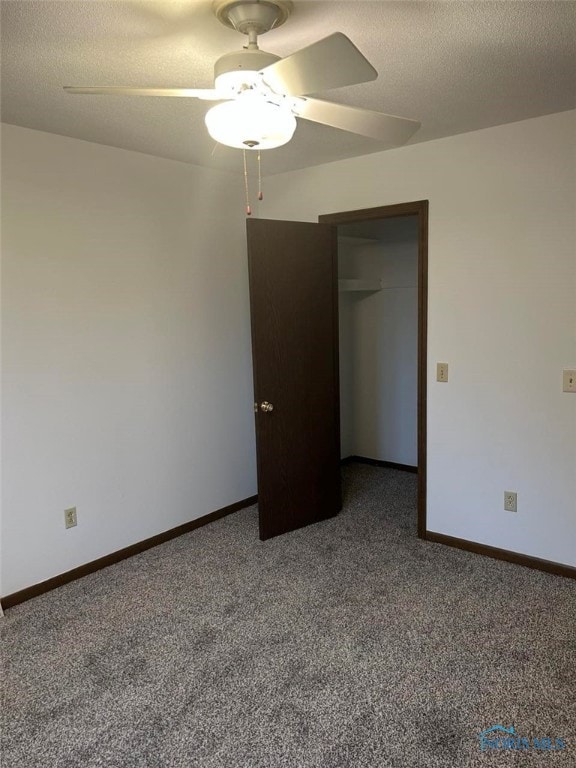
(256, 16)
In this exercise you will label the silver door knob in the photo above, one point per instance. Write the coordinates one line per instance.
(266, 406)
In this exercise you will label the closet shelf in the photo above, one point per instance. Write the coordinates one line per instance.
(355, 240)
(360, 285)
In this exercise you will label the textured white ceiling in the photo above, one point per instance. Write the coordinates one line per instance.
(455, 66)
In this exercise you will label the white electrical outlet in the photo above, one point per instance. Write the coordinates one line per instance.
(70, 518)
(441, 371)
(510, 501)
(569, 381)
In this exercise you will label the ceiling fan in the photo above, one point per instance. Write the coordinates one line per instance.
(262, 94)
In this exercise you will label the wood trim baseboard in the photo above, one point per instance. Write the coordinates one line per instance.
(121, 554)
(558, 569)
(379, 463)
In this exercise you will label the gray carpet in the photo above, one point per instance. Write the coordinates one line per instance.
(349, 643)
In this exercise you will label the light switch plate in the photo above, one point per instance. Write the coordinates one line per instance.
(442, 372)
(569, 381)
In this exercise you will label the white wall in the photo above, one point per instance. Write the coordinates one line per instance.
(379, 344)
(502, 281)
(127, 385)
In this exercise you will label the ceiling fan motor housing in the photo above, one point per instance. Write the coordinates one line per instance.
(229, 69)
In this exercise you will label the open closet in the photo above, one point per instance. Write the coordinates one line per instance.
(378, 319)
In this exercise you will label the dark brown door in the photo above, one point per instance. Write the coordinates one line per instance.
(294, 313)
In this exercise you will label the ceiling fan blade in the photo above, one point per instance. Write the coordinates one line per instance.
(375, 125)
(207, 94)
(330, 63)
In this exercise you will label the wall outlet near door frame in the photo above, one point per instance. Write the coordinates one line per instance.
(568, 380)
(510, 501)
(442, 372)
(70, 517)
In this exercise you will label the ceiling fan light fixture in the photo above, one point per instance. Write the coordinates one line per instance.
(250, 122)
(264, 94)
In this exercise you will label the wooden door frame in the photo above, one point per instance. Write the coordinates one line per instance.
(417, 208)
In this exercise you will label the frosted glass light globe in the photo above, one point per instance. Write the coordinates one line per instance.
(250, 122)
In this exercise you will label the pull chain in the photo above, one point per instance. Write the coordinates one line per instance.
(260, 195)
(246, 186)
(248, 208)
